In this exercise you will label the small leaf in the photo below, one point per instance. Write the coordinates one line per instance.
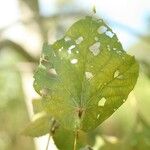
(39, 126)
(87, 66)
(69, 136)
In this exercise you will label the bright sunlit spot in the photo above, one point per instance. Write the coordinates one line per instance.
(9, 12)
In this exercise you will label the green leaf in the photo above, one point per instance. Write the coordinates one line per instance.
(85, 76)
(40, 126)
(37, 105)
(69, 136)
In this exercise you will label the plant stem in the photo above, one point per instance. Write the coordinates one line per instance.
(75, 140)
(48, 141)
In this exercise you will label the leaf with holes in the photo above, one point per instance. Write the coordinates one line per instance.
(85, 76)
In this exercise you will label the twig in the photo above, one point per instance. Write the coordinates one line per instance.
(47, 145)
(19, 49)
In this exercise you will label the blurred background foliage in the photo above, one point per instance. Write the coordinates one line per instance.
(20, 47)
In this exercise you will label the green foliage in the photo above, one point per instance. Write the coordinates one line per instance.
(69, 136)
(86, 73)
(39, 126)
(13, 112)
(142, 93)
(83, 78)
(137, 139)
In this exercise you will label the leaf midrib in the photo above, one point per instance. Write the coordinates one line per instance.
(85, 63)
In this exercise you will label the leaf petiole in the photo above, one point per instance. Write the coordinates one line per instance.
(75, 140)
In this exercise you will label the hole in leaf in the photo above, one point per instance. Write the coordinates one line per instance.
(88, 75)
(110, 34)
(60, 49)
(69, 51)
(102, 102)
(52, 71)
(98, 116)
(108, 47)
(116, 74)
(79, 40)
(70, 48)
(67, 38)
(95, 48)
(44, 92)
(74, 61)
(120, 77)
(102, 29)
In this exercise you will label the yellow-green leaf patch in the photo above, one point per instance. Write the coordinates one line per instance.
(85, 76)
